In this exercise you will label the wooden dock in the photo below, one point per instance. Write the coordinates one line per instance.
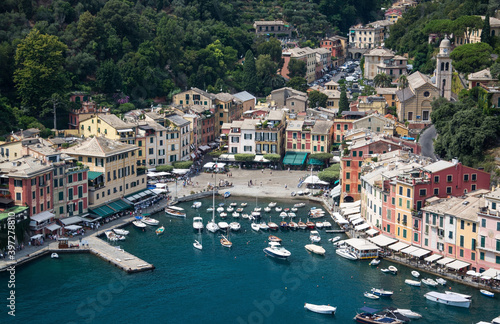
(336, 231)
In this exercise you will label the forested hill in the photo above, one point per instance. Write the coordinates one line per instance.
(146, 49)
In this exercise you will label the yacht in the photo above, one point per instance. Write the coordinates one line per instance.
(223, 226)
(277, 251)
(197, 223)
(234, 226)
(346, 254)
(448, 299)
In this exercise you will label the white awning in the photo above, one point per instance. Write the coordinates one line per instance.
(152, 175)
(159, 191)
(398, 246)
(125, 130)
(457, 265)
(382, 240)
(72, 227)
(71, 220)
(445, 260)
(193, 156)
(314, 180)
(260, 158)
(43, 216)
(346, 205)
(162, 173)
(491, 272)
(420, 252)
(335, 192)
(409, 249)
(433, 258)
(358, 221)
(361, 244)
(351, 211)
(372, 232)
(53, 227)
(353, 216)
(37, 237)
(361, 227)
(180, 171)
(204, 147)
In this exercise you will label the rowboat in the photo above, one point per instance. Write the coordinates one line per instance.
(487, 293)
(293, 225)
(284, 225)
(310, 225)
(229, 209)
(160, 230)
(243, 204)
(321, 309)
(225, 242)
(416, 274)
(393, 269)
(257, 209)
(175, 211)
(239, 210)
(302, 225)
(294, 209)
(412, 282)
(278, 209)
(273, 238)
(233, 204)
(223, 215)
(263, 226)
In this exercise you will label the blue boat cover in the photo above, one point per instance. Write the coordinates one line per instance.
(367, 309)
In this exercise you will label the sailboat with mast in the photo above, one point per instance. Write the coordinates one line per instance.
(211, 225)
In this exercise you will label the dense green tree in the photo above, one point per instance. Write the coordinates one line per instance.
(182, 164)
(39, 73)
(343, 102)
(298, 83)
(164, 168)
(317, 99)
(470, 58)
(486, 30)
(108, 77)
(330, 174)
(495, 70)
(266, 72)
(272, 48)
(382, 80)
(250, 73)
(296, 68)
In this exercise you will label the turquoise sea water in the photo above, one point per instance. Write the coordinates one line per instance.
(219, 285)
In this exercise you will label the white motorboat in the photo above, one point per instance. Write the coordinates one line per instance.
(212, 227)
(263, 226)
(196, 204)
(346, 254)
(197, 223)
(175, 211)
(283, 215)
(272, 226)
(245, 216)
(319, 225)
(340, 244)
(458, 294)
(393, 269)
(416, 274)
(375, 262)
(239, 210)
(225, 242)
(243, 204)
(223, 215)
(255, 227)
(267, 209)
(277, 251)
(236, 215)
(278, 209)
(230, 209)
(150, 221)
(292, 214)
(381, 292)
(113, 237)
(302, 225)
(441, 281)
(120, 231)
(448, 299)
(321, 309)
(385, 270)
(327, 224)
(138, 223)
(256, 214)
(293, 226)
(314, 237)
(210, 209)
(298, 205)
(272, 204)
(430, 282)
(257, 209)
(220, 209)
(370, 295)
(315, 249)
(487, 293)
(412, 282)
(233, 204)
(273, 238)
(54, 256)
(197, 245)
(234, 226)
(408, 313)
(334, 239)
(223, 226)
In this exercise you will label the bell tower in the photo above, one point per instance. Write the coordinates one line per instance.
(444, 69)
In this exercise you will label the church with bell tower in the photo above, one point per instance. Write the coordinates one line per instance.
(444, 69)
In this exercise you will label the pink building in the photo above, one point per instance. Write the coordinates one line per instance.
(489, 232)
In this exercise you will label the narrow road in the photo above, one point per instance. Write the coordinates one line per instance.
(426, 141)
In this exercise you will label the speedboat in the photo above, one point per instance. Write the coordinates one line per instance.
(370, 295)
(234, 226)
(327, 224)
(220, 209)
(416, 274)
(267, 209)
(160, 230)
(236, 215)
(319, 225)
(277, 251)
(283, 215)
(120, 231)
(310, 225)
(225, 242)
(272, 204)
(302, 225)
(223, 215)
(412, 282)
(212, 226)
(346, 254)
(381, 292)
(138, 223)
(223, 225)
(273, 238)
(272, 226)
(257, 209)
(150, 221)
(408, 313)
(340, 244)
(487, 293)
(441, 281)
(291, 214)
(196, 204)
(298, 205)
(448, 299)
(263, 226)
(227, 194)
(300, 193)
(393, 269)
(293, 225)
(175, 211)
(255, 227)
(197, 223)
(278, 209)
(315, 249)
(334, 239)
(430, 282)
(54, 256)
(458, 294)
(321, 309)
(370, 315)
(243, 204)
(197, 245)
(314, 237)
(374, 262)
(230, 209)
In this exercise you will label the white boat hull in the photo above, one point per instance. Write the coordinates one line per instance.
(321, 309)
(408, 313)
(315, 249)
(412, 282)
(346, 254)
(441, 298)
(255, 227)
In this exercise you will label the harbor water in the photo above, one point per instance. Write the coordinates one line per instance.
(221, 285)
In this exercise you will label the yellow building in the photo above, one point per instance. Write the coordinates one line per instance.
(414, 103)
(10, 151)
(403, 215)
(113, 173)
(109, 126)
(194, 96)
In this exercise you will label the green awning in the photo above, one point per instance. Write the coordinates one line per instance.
(119, 205)
(102, 211)
(93, 174)
(315, 162)
(295, 158)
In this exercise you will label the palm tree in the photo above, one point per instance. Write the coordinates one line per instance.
(382, 80)
(403, 84)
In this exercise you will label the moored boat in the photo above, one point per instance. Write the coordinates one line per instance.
(120, 231)
(291, 214)
(487, 293)
(315, 249)
(197, 223)
(263, 226)
(255, 227)
(310, 225)
(212, 226)
(220, 209)
(346, 254)
(301, 225)
(458, 294)
(243, 204)
(441, 281)
(283, 215)
(448, 299)
(233, 204)
(227, 194)
(298, 205)
(234, 226)
(412, 282)
(314, 237)
(113, 237)
(293, 226)
(272, 204)
(236, 215)
(416, 274)
(277, 251)
(381, 292)
(278, 209)
(284, 225)
(430, 282)
(272, 226)
(223, 215)
(267, 209)
(257, 209)
(321, 309)
(334, 239)
(408, 313)
(239, 210)
(370, 295)
(393, 269)
(374, 262)
(229, 209)
(319, 225)
(273, 238)
(369, 315)
(294, 209)
(175, 211)
(245, 216)
(223, 226)
(150, 221)
(139, 224)
(225, 242)
(327, 224)
(54, 256)
(160, 230)
(196, 204)
(197, 245)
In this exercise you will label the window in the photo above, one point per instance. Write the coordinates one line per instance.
(426, 242)
(408, 192)
(448, 190)
(450, 249)
(473, 244)
(474, 177)
(423, 192)
(407, 204)
(461, 241)
(481, 255)
(393, 200)
(345, 127)
(466, 177)
(449, 178)
(462, 224)
(473, 187)
(404, 233)
(498, 245)
(348, 163)
(450, 235)
(348, 175)
(461, 253)
(400, 202)
(347, 188)
(436, 191)
(401, 191)
(436, 179)
(473, 256)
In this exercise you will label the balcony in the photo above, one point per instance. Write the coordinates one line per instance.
(96, 186)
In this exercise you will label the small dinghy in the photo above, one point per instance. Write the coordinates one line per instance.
(244, 204)
(393, 269)
(441, 281)
(371, 296)
(54, 256)
(236, 215)
(229, 209)
(293, 226)
(272, 204)
(255, 227)
(411, 282)
(487, 293)
(334, 239)
(196, 204)
(160, 230)
(416, 274)
(321, 309)
(430, 282)
(374, 262)
(233, 204)
(197, 245)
